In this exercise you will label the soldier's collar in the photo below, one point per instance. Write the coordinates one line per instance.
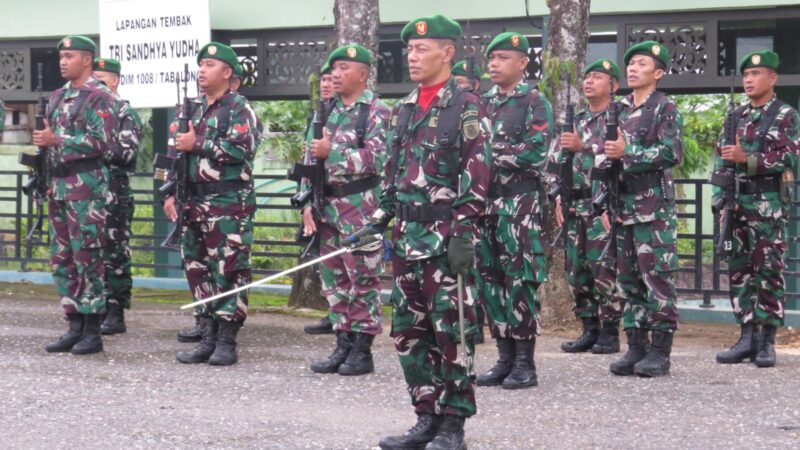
(761, 108)
(365, 97)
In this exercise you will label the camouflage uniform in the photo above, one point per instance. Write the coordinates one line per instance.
(351, 282)
(646, 241)
(425, 323)
(84, 124)
(511, 260)
(590, 279)
(218, 230)
(2, 118)
(757, 285)
(121, 161)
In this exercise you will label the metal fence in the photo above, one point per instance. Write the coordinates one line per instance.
(701, 275)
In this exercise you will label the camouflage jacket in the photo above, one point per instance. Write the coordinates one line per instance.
(82, 135)
(2, 118)
(124, 148)
(347, 162)
(458, 176)
(515, 160)
(220, 158)
(781, 151)
(665, 150)
(591, 129)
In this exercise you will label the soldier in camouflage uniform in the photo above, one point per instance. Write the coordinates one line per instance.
(80, 128)
(218, 228)
(590, 279)
(459, 71)
(2, 119)
(121, 162)
(649, 145)
(511, 259)
(354, 149)
(436, 188)
(765, 156)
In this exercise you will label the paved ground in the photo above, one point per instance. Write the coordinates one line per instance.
(136, 396)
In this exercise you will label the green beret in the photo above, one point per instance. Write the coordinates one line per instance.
(764, 58)
(436, 26)
(238, 70)
(508, 41)
(107, 65)
(650, 48)
(76, 42)
(459, 69)
(325, 69)
(351, 52)
(220, 52)
(604, 66)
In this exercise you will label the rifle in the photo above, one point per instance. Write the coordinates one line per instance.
(470, 49)
(37, 184)
(730, 190)
(315, 173)
(611, 199)
(179, 165)
(565, 175)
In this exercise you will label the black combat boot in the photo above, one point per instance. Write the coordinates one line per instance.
(656, 363)
(766, 346)
(501, 369)
(207, 345)
(344, 343)
(324, 326)
(746, 347)
(586, 340)
(115, 319)
(194, 334)
(91, 341)
(359, 360)
(523, 373)
(415, 438)
(637, 350)
(608, 340)
(67, 341)
(225, 352)
(450, 435)
(480, 314)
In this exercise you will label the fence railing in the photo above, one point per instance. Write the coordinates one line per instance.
(701, 274)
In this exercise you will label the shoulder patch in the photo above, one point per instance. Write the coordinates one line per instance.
(470, 126)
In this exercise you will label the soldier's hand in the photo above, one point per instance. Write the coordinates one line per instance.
(185, 141)
(46, 137)
(309, 225)
(169, 209)
(559, 214)
(734, 153)
(320, 148)
(615, 149)
(605, 221)
(571, 142)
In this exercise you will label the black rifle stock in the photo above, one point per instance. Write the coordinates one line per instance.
(565, 176)
(37, 184)
(730, 191)
(611, 199)
(470, 69)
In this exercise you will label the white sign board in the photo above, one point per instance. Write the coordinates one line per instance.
(153, 40)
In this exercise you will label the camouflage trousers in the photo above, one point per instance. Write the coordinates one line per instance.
(757, 285)
(351, 284)
(426, 334)
(646, 257)
(510, 267)
(117, 251)
(591, 280)
(77, 238)
(216, 258)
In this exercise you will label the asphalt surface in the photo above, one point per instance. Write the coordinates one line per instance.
(135, 395)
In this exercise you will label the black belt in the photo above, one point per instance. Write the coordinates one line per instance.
(581, 194)
(424, 213)
(599, 174)
(74, 167)
(752, 185)
(218, 187)
(640, 182)
(510, 190)
(118, 182)
(353, 187)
